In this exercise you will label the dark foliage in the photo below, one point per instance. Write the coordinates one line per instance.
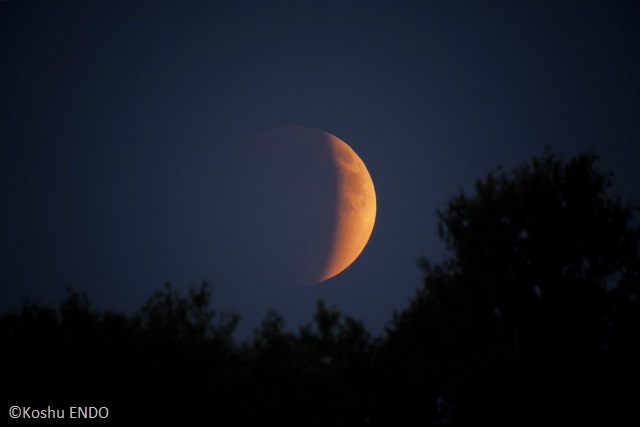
(534, 318)
(169, 355)
(530, 320)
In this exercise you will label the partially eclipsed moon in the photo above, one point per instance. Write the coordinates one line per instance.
(355, 208)
(300, 206)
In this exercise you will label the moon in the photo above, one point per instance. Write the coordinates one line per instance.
(300, 204)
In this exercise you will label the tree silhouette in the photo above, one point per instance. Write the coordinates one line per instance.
(318, 376)
(166, 363)
(531, 316)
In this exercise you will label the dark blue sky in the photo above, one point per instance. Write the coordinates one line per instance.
(121, 125)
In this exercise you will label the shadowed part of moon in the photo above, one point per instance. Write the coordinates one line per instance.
(281, 202)
(295, 206)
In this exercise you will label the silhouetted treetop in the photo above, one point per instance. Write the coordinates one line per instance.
(554, 214)
(542, 276)
(169, 314)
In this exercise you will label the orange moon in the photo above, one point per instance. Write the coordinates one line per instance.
(355, 208)
(300, 207)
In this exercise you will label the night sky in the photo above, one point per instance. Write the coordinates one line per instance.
(122, 127)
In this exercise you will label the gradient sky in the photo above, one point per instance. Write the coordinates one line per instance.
(120, 122)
